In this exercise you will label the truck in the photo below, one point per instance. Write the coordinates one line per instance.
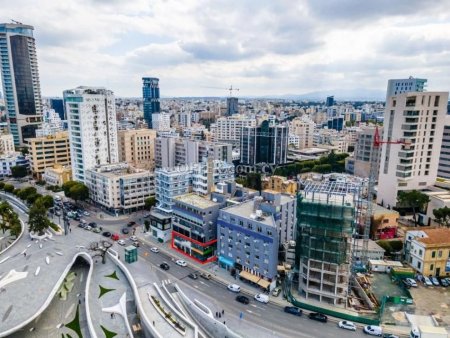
(428, 332)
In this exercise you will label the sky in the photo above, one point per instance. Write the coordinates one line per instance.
(262, 47)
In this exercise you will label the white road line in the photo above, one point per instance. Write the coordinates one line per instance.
(81, 277)
(5, 259)
(69, 311)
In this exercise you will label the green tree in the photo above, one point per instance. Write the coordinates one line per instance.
(254, 181)
(8, 188)
(79, 192)
(25, 192)
(147, 225)
(442, 216)
(37, 220)
(66, 187)
(24, 151)
(150, 202)
(2, 185)
(413, 199)
(9, 220)
(47, 201)
(32, 198)
(19, 171)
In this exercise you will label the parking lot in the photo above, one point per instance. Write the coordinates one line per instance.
(432, 300)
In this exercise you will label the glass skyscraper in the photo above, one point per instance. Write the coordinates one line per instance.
(20, 80)
(150, 92)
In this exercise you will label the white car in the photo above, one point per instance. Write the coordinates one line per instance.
(427, 281)
(180, 262)
(260, 297)
(88, 228)
(411, 282)
(86, 213)
(234, 287)
(121, 242)
(154, 249)
(133, 238)
(345, 324)
(373, 330)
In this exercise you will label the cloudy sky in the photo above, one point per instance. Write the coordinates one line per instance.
(264, 47)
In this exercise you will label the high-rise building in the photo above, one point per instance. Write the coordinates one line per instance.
(398, 86)
(229, 129)
(304, 129)
(150, 92)
(330, 101)
(137, 147)
(20, 79)
(232, 106)
(91, 113)
(161, 121)
(444, 157)
(365, 152)
(58, 105)
(264, 144)
(416, 118)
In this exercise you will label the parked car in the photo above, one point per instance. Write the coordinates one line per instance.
(81, 225)
(107, 234)
(443, 282)
(121, 242)
(125, 231)
(412, 282)
(130, 224)
(318, 316)
(85, 213)
(87, 227)
(276, 292)
(76, 218)
(164, 266)
(242, 299)
(205, 275)
(93, 224)
(345, 324)
(427, 281)
(96, 230)
(133, 238)
(58, 213)
(180, 262)
(373, 330)
(293, 310)
(136, 244)
(115, 237)
(193, 275)
(435, 281)
(406, 283)
(154, 249)
(261, 297)
(234, 288)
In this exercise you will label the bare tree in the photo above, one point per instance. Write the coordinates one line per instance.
(100, 249)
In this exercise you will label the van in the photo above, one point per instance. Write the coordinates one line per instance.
(373, 330)
(260, 297)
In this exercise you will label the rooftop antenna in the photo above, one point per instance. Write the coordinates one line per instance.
(231, 90)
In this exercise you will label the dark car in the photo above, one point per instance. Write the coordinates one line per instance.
(293, 310)
(242, 299)
(107, 234)
(406, 284)
(318, 316)
(125, 231)
(93, 225)
(193, 275)
(77, 218)
(130, 224)
(443, 282)
(164, 266)
(82, 225)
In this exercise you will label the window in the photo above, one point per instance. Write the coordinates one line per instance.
(440, 253)
(419, 264)
(436, 101)
(433, 254)
(420, 252)
(431, 267)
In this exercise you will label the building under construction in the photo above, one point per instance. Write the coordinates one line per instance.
(326, 213)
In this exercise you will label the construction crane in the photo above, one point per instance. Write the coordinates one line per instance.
(231, 90)
(377, 142)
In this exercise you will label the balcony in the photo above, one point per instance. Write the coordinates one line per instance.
(411, 113)
(409, 126)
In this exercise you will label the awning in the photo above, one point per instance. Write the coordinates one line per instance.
(263, 283)
(248, 276)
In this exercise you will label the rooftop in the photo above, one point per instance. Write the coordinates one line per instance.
(196, 201)
(246, 209)
(435, 237)
(372, 245)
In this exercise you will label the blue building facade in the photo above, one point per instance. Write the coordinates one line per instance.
(150, 93)
(58, 105)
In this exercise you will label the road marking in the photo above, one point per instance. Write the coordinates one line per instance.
(69, 311)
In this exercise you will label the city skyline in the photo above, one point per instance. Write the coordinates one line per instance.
(264, 48)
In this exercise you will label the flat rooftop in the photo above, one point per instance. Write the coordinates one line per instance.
(245, 209)
(196, 201)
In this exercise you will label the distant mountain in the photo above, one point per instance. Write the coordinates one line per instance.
(339, 95)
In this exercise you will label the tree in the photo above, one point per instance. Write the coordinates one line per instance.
(254, 181)
(150, 202)
(19, 171)
(79, 192)
(147, 225)
(24, 151)
(32, 198)
(413, 199)
(66, 187)
(2, 185)
(37, 220)
(25, 192)
(8, 188)
(47, 201)
(9, 220)
(442, 216)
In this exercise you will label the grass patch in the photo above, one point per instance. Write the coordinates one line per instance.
(104, 291)
(108, 334)
(54, 226)
(113, 275)
(74, 325)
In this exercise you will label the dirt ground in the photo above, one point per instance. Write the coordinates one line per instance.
(432, 300)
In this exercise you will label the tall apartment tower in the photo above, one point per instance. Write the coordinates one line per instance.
(150, 92)
(91, 114)
(232, 106)
(20, 80)
(444, 157)
(416, 118)
(398, 86)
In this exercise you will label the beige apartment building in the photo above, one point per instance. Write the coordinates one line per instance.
(47, 151)
(137, 148)
(6, 144)
(57, 175)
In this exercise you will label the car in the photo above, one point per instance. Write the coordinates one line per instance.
(130, 224)
(427, 281)
(88, 228)
(435, 281)
(412, 282)
(320, 317)
(390, 335)
(373, 330)
(345, 324)
(242, 299)
(180, 262)
(276, 292)
(96, 230)
(93, 224)
(154, 249)
(136, 244)
(115, 237)
(293, 310)
(406, 283)
(121, 242)
(76, 218)
(58, 213)
(234, 288)
(443, 282)
(85, 213)
(107, 234)
(448, 281)
(206, 275)
(125, 231)
(262, 298)
(81, 225)
(83, 221)
(193, 275)
(164, 266)
(133, 238)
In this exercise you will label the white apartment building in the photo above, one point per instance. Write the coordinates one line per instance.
(444, 157)
(161, 121)
(120, 187)
(228, 129)
(207, 174)
(398, 86)
(418, 119)
(184, 119)
(365, 152)
(91, 113)
(304, 129)
(6, 144)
